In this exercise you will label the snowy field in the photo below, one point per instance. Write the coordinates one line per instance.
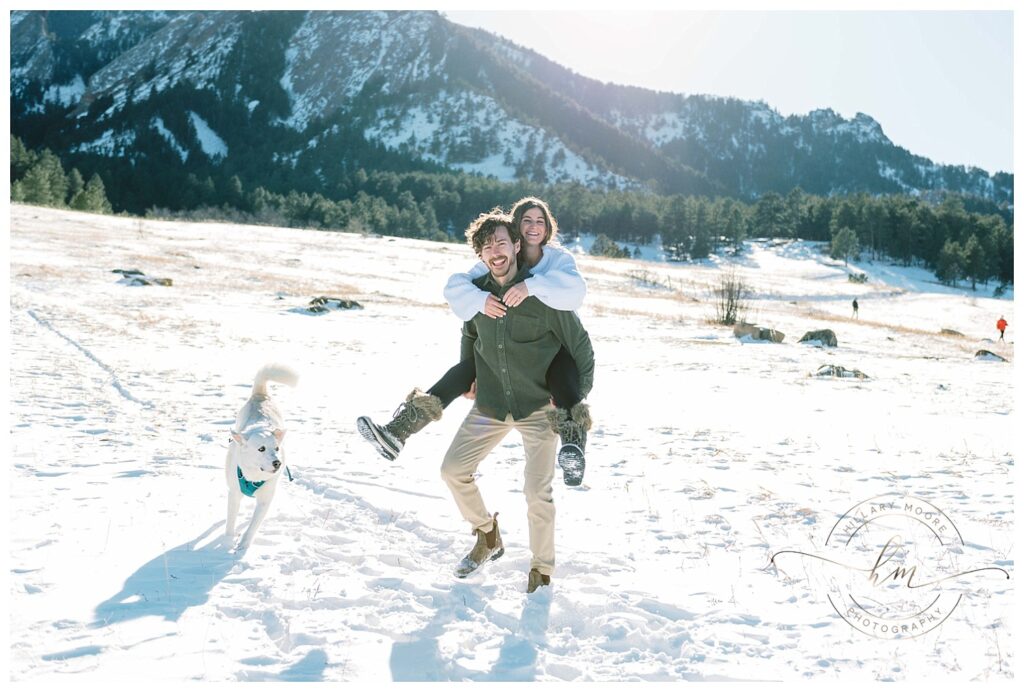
(708, 455)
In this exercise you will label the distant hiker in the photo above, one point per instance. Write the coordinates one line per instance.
(1001, 325)
(856, 309)
(555, 281)
(512, 355)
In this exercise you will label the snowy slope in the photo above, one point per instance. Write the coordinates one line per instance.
(707, 456)
(446, 129)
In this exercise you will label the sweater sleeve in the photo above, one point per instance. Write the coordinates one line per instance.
(464, 298)
(569, 330)
(562, 286)
(468, 340)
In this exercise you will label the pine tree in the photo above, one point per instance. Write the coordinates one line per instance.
(57, 180)
(75, 183)
(770, 216)
(846, 215)
(844, 245)
(21, 159)
(605, 247)
(93, 197)
(735, 226)
(701, 247)
(975, 263)
(1001, 251)
(79, 202)
(795, 203)
(35, 186)
(235, 193)
(951, 263)
(674, 225)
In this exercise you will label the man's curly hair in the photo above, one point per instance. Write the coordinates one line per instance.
(484, 226)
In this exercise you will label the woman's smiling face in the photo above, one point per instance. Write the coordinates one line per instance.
(534, 226)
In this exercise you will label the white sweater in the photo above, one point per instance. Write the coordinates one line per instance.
(556, 282)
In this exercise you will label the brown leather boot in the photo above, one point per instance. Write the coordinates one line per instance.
(536, 580)
(418, 409)
(488, 548)
(572, 427)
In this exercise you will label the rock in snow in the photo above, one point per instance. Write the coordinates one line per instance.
(744, 330)
(839, 371)
(825, 337)
(133, 277)
(323, 304)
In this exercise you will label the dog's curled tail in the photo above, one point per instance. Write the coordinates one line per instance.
(275, 372)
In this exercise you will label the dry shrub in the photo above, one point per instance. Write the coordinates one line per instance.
(730, 298)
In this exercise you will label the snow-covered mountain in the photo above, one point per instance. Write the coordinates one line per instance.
(299, 87)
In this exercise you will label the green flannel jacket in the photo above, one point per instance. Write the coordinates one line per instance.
(512, 353)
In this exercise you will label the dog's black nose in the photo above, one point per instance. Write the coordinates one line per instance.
(277, 464)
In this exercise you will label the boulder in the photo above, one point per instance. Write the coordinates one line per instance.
(327, 303)
(950, 332)
(839, 371)
(758, 333)
(982, 354)
(743, 329)
(826, 337)
(133, 277)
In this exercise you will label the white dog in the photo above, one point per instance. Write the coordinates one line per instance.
(255, 457)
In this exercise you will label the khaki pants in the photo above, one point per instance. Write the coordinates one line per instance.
(476, 437)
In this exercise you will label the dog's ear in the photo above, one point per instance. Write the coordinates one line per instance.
(237, 438)
(279, 434)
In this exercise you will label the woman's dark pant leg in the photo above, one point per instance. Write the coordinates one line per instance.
(563, 378)
(455, 382)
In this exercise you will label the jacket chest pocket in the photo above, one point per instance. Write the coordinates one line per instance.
(525, 329)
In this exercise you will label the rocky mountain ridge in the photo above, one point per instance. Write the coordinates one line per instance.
(296, 89)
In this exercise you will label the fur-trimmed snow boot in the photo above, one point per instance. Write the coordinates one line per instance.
(536, 580)
(418, 409)
(488, 548)
(572, 427)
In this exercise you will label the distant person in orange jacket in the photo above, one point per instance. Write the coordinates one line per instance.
(1001, 325)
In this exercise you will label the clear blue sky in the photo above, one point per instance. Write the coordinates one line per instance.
(940, 83)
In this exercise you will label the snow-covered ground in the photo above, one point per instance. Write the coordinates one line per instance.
(708, 455)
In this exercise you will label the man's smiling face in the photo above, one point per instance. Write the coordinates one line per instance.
(499, 254)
